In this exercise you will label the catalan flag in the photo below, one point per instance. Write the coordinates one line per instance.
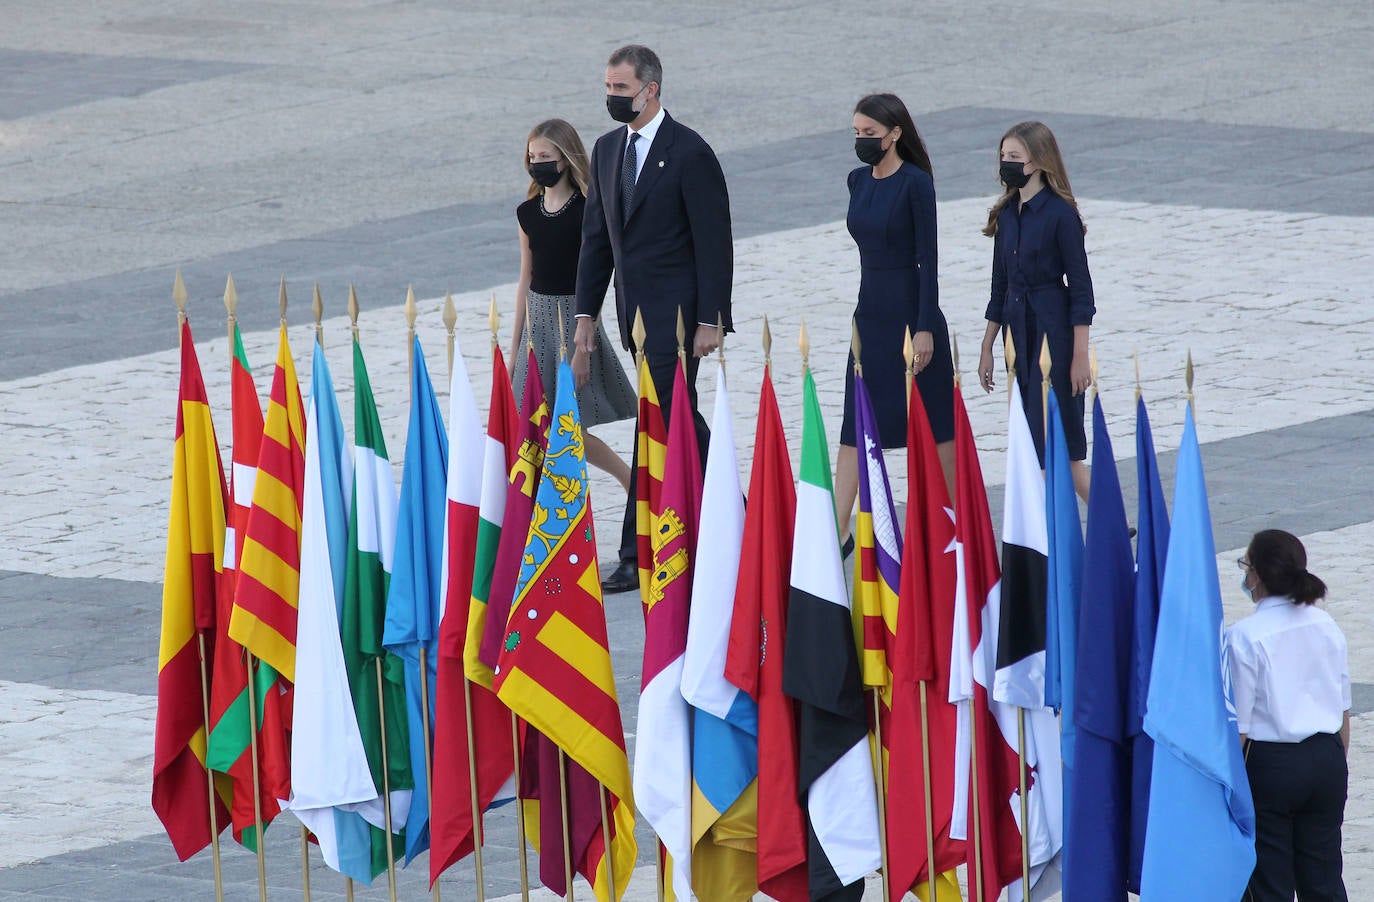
(555, 665)
(758, 633)
(265, 600)
(821, 672)
(195, 548)
(230, 730)
(725, 720)
(663, 752)
(415, 594)
(651, 455)
(451, 822)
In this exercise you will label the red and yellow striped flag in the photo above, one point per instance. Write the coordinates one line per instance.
(195, 547)
(651, 454)
(264, 616)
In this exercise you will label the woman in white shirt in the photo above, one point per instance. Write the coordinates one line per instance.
(1291, 687)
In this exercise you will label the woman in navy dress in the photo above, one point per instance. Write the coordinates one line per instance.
(1041, 287)
(892, 220)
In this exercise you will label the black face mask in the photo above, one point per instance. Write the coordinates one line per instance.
(622, 109)
(1013, 174)
(869, 150)
(546, 174)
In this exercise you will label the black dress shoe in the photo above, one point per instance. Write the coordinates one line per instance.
(622, 579)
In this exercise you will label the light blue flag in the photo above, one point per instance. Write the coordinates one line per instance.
(1200, 837)
(1152, 518)
(415, 594)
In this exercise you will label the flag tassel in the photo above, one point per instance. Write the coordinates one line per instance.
(563, 811)
(429, 753)
(606, 832)
(472, 788)
(925, 774)
(519, 805)
(386, 785)
(209, 774)
(257, 782)
(881, 777)
(305, 862)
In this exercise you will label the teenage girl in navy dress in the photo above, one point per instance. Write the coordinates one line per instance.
(892, 220)
(1041, 287)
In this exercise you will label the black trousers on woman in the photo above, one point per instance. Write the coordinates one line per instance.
(1299, 790)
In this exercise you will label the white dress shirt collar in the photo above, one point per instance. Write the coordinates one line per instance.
(646, 140)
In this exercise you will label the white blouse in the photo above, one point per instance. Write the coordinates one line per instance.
(1289, 676)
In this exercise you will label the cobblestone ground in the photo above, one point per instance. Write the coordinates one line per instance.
(1226, 184)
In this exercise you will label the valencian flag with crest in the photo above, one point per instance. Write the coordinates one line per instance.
(554, 670)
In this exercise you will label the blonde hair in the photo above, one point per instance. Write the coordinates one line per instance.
(561, 134)
(1043, 150)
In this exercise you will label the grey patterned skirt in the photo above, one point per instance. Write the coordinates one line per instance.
(608, 395)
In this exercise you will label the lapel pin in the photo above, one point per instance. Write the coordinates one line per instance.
(660, 164)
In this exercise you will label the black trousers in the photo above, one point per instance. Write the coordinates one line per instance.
(663, 370)
(1299, 790)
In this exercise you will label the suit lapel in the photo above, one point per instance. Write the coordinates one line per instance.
(610, 182)
(653, 166)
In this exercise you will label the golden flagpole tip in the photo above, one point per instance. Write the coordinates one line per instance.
(450, 312)
(637, 331)
(1009, 351)
(1092, 362)
(410, 309)
(804, 343)
(1188, 374)
(493, 317)
(317, 305)
(281, 300)
(1045, 362)
(179, 296)
(954, 350)
(231, 296)
(353, 310)
(720, 338)
(767, 342)
(908, 351)
(856, 346)
(1136, 355)
(681, 334)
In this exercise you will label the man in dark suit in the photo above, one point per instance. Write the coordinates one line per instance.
(658, 218)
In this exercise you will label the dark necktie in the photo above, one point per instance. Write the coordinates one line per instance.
(627, 176)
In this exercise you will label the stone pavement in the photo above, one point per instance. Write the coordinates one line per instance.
(1226, 183)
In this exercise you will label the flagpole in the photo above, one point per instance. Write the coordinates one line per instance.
(606, 832)
(910, 354)
(879, 772)
(450, 320)
(179, 298)
(494, 320)
(381, 694)
(563, 809)
(977, 879)
(257, 788)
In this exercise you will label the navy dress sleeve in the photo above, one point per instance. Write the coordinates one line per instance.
(922, 199)
(1073, 258)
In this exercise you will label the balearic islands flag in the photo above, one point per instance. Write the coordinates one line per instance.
(663, 753)
(195, 545)
(452, 830)
(328, 762)
(821, 672)
(414, 597)
(725, 721)
(753, 662)
(555, 664)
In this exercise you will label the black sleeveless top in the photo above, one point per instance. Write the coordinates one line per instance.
(555, 239)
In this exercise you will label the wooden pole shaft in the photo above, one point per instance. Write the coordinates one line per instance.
(472, 789)
(880, 777)
(930, 803)
(386, 784)
(209, 774)
(425, 727)
(563, 811)
(257, 782)
(606, 832)
(305, 862)
(519, 810)
(1025, 802)
(977, 880)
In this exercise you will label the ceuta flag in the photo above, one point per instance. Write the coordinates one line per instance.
(195, 548)
(229, 750)
(555, 664)
(821, 672)
(921, 646)
(452, 833)
(267, 595)
(986, 781)
(758, 633)
(663, 753)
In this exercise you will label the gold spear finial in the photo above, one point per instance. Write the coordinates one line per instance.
(681, 337)
(767, 343)
(1045, 361)
(410, 313)
(450, 321)
(1137, 374)
(529, 323)
(1009, 351)
(1092, 364)
(317, 307)
(231, 300)
(909, 355)
(954, 348)
(1188, 375)
(353, 311)
(637, 334)
(720, 338)
(281, 300)
(562, 337)
(494, 320)
(855, 347)
(804, 343)
(179, 297)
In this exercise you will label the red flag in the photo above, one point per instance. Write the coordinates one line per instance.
(922, 645)
(754, 660)
(973, 663)
(195, 545)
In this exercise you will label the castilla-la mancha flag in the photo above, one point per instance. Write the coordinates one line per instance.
(195, 546)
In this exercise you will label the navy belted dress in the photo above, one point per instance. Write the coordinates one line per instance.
(1041, 288)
